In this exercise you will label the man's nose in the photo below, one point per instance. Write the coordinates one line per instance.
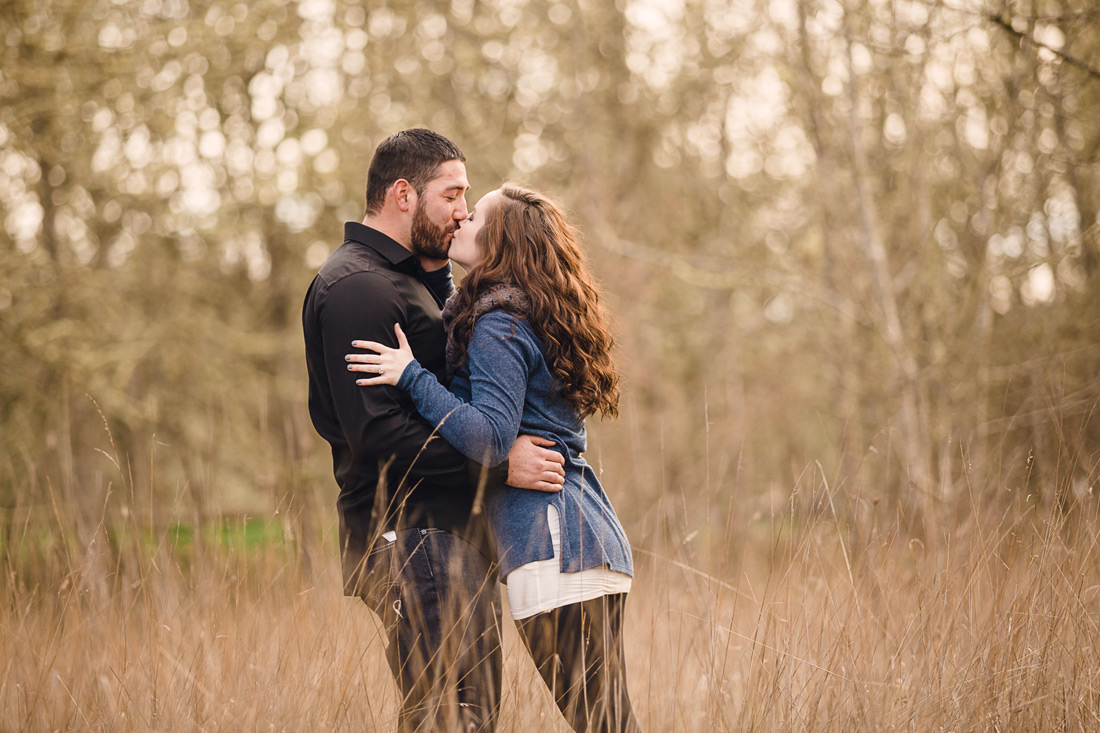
(460, 209)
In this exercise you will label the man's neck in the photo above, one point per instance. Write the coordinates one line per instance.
(389, 227)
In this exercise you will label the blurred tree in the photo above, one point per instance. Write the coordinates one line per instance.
(862, 233)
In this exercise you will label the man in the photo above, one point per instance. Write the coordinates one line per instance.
(414, 547)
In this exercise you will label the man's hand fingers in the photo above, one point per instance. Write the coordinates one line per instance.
(547, 487)
(552, 456)
(553, 478)
(536, 440)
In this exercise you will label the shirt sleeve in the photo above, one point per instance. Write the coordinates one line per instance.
(378, 421)
(485, 428)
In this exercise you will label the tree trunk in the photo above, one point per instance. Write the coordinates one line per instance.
(911, 439)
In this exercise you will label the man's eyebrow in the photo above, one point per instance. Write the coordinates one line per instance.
(456, 186)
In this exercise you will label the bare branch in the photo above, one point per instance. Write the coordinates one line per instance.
(1005, 23)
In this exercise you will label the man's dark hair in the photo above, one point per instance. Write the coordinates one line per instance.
(414, 155)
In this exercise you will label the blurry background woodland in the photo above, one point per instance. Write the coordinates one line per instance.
(851, 249)
(856, 240)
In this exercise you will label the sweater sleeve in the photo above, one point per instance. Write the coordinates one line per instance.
(484, 429)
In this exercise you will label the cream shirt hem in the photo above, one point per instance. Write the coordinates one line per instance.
(541, 585)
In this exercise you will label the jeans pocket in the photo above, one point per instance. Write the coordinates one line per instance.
(376, 581)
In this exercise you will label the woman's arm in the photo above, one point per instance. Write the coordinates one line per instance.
(484, 429)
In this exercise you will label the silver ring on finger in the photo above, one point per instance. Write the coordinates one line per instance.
(381, 370)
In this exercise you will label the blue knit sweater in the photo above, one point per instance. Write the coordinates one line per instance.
(503, 389)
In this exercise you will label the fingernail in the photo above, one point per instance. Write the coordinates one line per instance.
(360, 382)
(347, 357)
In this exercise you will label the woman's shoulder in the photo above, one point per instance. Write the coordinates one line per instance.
(499, 332)
(503, 324)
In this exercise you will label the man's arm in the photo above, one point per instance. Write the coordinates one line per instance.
(485, 428)
(378, 421)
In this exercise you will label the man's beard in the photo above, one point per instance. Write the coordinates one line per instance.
(428, 239)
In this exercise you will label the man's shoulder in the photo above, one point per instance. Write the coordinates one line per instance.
(354, 267)
(353, 259)
(349, 281)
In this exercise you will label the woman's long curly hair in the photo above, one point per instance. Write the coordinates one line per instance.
(526, 242)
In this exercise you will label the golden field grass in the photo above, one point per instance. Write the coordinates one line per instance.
(789, 622)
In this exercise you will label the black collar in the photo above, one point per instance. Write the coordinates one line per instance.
(384, 245)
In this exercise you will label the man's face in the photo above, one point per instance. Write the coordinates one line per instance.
(439, 210)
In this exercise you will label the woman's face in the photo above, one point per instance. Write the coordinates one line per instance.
(464, 249)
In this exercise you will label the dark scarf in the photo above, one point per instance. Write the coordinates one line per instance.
(499, 297)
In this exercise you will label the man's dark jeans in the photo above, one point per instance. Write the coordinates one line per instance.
(439, 600)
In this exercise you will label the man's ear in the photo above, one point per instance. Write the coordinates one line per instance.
(404, 195)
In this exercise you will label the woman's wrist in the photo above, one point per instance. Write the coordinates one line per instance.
(408, 374)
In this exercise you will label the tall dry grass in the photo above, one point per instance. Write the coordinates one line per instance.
(808, 619)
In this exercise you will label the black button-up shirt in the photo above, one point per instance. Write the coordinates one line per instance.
(392, 471)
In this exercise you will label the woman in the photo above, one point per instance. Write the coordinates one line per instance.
(528, 351)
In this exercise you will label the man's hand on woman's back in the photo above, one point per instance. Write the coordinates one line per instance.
(533, 465)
